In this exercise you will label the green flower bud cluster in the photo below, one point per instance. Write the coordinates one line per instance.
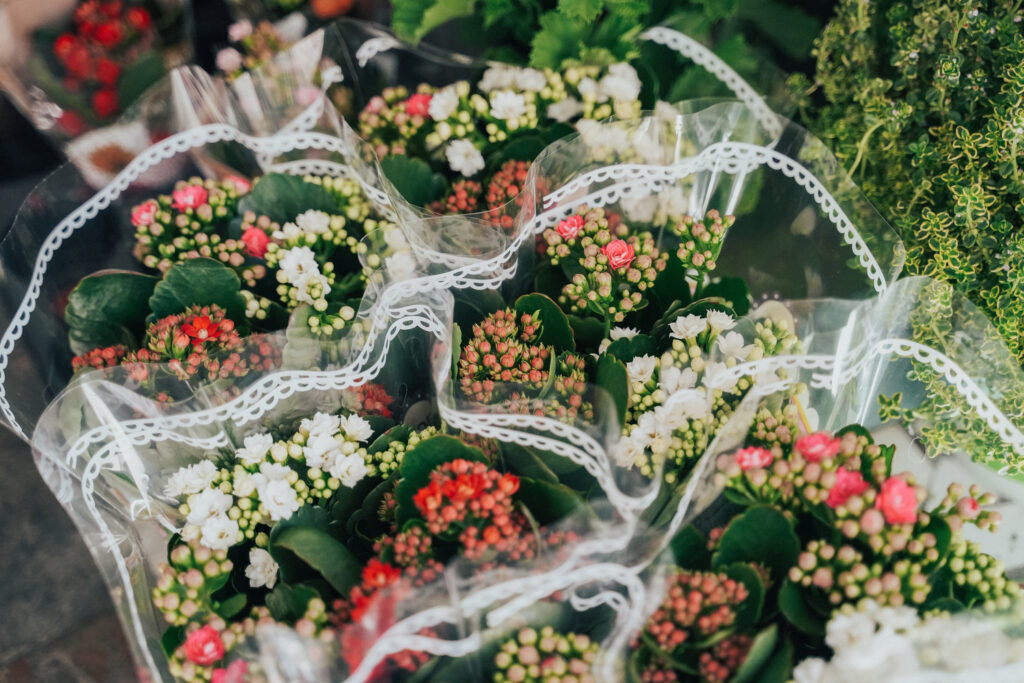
(384, 462)
(182, 592)
(546, 656)
(978, 579)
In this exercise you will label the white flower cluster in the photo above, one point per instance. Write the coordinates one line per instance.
(508, 77)
(463, 157)
(888, 644)
(301, 279)
(271, 479)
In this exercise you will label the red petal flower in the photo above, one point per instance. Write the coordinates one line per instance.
(818, 445)
(898, 501)
(107, 72)
(139, 19)
(204, 647)
(418, 105)
(108, 34)
(255, 241)
(104, 103)
(848, 483)
(753, 457)
(619, 253)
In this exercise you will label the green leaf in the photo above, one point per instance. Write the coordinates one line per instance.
(588, 332)
(108, 308)
(137, 78)
(555, 329)
(456, 350)
(797, 611)
(172, 639)
(584, 10)
(334, 562)
(548, 502)
(760, 652)
(690, 548)
(613, 378)
(790, 28)
(230, 607)
(634, 347)
(761, 534)
(748, 613)
(280, 602)
(282, 197)
(857, 429)
(413, 19)
(779, 668)
(560, 38)
(521, 148)
(525, 462)
(419, 462)
(198, 282)
(733, 290)
(414, 179)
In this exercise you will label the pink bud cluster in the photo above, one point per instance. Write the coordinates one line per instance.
(700, 241)
(697, 606)
(394, 118)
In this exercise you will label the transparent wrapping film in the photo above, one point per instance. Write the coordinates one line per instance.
(448, 433)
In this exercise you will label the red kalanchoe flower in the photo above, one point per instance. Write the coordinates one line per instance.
(72, 123)
(571, 226)
(204, 647)
(753, 457)
(189, 197)
(107, 72)
(619, 253)
(108, 34)
(372, 399)
(64, 46)
(817, 446)
(143, 213)
(201, 329)
(103, 357)
(428, 498)
(898, 501)
(104, 103)
(235, 673)
(256, 241)
(138, 18)
(418, 105)
(80, 63)
(378, 574)
(848, 483)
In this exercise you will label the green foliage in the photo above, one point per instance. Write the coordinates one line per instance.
(108, 308)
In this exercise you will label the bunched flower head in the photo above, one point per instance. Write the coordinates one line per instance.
(546, 656)
(700, 241)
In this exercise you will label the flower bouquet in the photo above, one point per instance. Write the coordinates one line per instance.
(312, 433)
(76, 66)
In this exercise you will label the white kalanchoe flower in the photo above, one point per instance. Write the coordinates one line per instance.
(621, 83)
(720, 321)
(687, 326)
(313, 222)
(245, 484)
(191, 479)
(307, 283)
(497, 77)
(628, 452)
(641, 368)
(262, 569)
(464, 157)
(279, 498)
(717, 376)
(639, 207)
(617, 333)
(207, 504)
(356, 428)
(272, 471)
(321, 450)
(691, 404)
(849, 630)
(297, 262)
(646, 428)
(731, 345)
(256, 448)
(350, 469)
(810, 670)
(673, 379)
(565, 109)
(444, 103)
(673, 202)
(289, 232)
(531, 80)
(507, 105)
(320, 424)
(220, 533)
(401, 266)
(588, 88)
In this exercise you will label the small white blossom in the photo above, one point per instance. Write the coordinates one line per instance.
(617, 333)
(566, 109)
(245, 484)
(321, 423)
(356, 428)
(191, 479)
(646, 428)
(297, 262)
(641, 368)
(848, 630)
(444, 103)
(290, 231)
(207, 504)
(673, 202)
(464, 157)
(279, 498)
(255, 449)
(307, 283)
(313, 221)
(717, 376)
(810, 670)
(320, 451)
(691, 404)
(720, 321)
(507, 105)
(672, 379)
(588, 88)
(262, 569)
(731, 345)
(395, 238)
(220, 533)
(640, 207)
(272, 471)
(497, 77)
(621, 83)
(687, 326)
(350, 469)
(401, 266)
(229, 60)
(628, 452)
(531, 80)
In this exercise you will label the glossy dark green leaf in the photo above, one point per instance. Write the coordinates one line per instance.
(230, 607)
(614, 380)
(798, 612)
(172, 639)
(198, 282)
(108, 308)
(760, 653)
(414, 179)
(333, 561)
(282, 197)
(690, 548)
(761, 534)
(548, 502)
(555, 329)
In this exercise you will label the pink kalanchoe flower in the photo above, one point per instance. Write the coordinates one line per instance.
(898, 501)
(848, 483)
(619, 253)
(255, 241)
(242, 186)
(143, 213)
(570, 227)
(204, 647)
(418, 105)
(753, 457)
(235, 673)
(814, 447)
(188, 197)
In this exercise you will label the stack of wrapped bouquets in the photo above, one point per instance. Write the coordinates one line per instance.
(482, 383)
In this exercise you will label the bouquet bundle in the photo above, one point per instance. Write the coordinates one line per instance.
(652, 427)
